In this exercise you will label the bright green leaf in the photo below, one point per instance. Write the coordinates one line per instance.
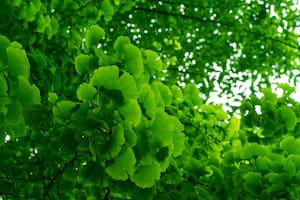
(147, 175)
(251, 150)
(290, 145)
(131, 111)
(108, 10)
(106, 77)
(93, 35)
(152, 60)
(289, 117)
(85, 92)
(127, 85)
(123, 166)
(81, 62)
(18, 64)
(121, 42)
(27, 94)
(163, 128)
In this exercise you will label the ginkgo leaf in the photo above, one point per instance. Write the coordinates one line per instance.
(123, 166)
(289, 117)
(106, 77)
(163, 128)
(290, 144)
(147, 99)
(4, 42)
(253, 182)
(152, 60)
(131, 111)
(18, 64)
(93, 35)
(108, 10)
(27, 94)
(133, 60)
(121, 42)
(86, 92)
(81, 62)
(127, 85)
(112, 148)
(251, 150)
(147, 175)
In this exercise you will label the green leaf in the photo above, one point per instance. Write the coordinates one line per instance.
(27, 94)
(178, 141)
(152, 60)
(4, 43)
(269, 95)
(107, 9)
(63, 111)
(85, 92)
(252, 150)
(123, 166)
(146, 176)
(290, 145)
(291, 168)
(121, 42)
(93, 35)
(191, 95)
(147, 100)
(127, 85)
(131, 111)
(81, 62)
(113, 147)
(3, 95)
(253, 182)
(163, 128)
(18, 64)
(133, 60)
(289, 117)
(52, 97)
(106, 77)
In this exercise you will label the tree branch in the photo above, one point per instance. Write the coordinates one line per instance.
(224, 24)
(57, 174)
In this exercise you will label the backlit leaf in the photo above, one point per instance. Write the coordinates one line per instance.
(18, 64)
(147, 175)
(289, 117)
(86, 92)
(251, 150)
(131, 111)
(81, 62)
(106, 77)
(27, 94)
(93, 35)
(123, 166)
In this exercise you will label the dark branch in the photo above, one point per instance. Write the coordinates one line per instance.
(57, 174)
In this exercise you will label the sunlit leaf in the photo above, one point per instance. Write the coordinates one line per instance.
(131, 111)
(81, 62)
(289, 117)
(18, 64)
(93, 35)
(147, 175)
(86, 92)
(123, 166)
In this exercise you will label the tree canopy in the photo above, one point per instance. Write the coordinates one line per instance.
(112, 99)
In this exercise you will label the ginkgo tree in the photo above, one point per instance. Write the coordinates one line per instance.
(95, 104)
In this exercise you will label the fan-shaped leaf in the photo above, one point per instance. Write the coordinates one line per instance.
(81, 62)
(86, 92)
(289, 117)
(123, 166)
(18, 64)
(147, 175)
(93, 35)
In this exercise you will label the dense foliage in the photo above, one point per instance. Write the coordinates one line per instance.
(108, 100)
